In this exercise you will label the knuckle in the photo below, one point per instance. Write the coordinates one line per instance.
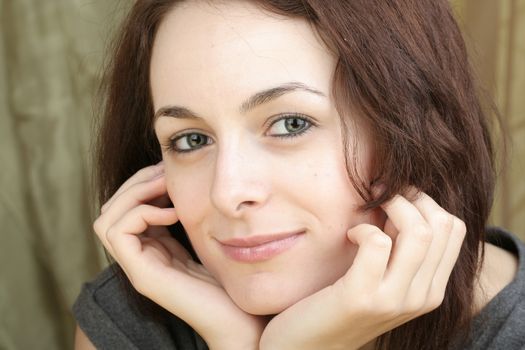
(414, 305)
(366, 229)
(130, 193)
(375, 237)
(110, 234)
(363, 305)
(98, 226)
(390, 308)
(380, 240)
(142, 208)
(376, 305)
(443, 222)
(435, 300)
(144, 211)
(460, 226)
(423, 233)
(146, 172)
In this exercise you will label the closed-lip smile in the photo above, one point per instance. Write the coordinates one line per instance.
(259, 247)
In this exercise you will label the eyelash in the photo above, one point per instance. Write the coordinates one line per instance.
(170, 146)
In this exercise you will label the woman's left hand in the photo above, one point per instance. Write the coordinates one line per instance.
(385, 286)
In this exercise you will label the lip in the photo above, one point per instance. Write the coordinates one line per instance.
(261, 247)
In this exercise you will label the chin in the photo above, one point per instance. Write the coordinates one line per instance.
(269, 298)
(268, 307)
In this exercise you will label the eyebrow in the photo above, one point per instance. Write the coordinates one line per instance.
(255, 100)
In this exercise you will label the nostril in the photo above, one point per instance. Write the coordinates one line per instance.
(246, 204)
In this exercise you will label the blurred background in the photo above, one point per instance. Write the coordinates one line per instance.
(51, 53)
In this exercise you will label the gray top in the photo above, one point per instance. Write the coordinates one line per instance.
(501, 323)
(110, 322)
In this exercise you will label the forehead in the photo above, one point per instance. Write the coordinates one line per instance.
(233, 49)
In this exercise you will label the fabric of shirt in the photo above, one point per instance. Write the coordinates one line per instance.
(501, 323)
(109, 320)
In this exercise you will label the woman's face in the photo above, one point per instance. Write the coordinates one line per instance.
(253, 151)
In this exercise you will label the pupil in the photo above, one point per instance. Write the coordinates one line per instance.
(196, 140)
(294, 124)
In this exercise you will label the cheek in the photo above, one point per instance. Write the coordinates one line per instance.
(323, 187)
(327, 185)
(189, 194)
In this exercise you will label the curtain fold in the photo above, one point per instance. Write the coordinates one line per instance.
(50, 58)
(495, 34)
(51, 54)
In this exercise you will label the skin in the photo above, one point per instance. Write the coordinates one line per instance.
(230, 188)
(357, 274)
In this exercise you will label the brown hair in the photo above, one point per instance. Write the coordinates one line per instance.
(403, 67)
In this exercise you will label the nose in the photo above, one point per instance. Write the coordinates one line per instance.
(240, 184)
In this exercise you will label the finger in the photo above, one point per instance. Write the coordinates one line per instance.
(100, 228)
(142, 175)
(182, 256)
(126, 188)
(136, 195)
(411, 244)
(169, 249)
(175, 248)
(160, 251)
(390, 229)
(441, 223)
(121, 237)
(450, 256)
(370, 262)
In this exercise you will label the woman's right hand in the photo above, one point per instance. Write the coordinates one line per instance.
(132, 227)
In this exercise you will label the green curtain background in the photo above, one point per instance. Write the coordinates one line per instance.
(51, 54)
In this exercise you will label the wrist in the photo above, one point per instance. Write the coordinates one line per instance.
(234, 345)
(236, 341)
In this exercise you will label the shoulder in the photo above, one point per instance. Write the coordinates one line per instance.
(110, 320)
(100, 310)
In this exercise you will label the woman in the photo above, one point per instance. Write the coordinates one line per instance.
(330, 164)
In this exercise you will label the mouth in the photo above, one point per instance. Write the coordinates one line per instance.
(261, 247)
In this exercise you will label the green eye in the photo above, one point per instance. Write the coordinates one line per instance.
(190, 142)
(294, 125)
(289, 126)
(286, 126)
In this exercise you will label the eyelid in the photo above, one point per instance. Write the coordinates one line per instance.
(274, 119)
(169, 144)
(186, 132)
(285, 115)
